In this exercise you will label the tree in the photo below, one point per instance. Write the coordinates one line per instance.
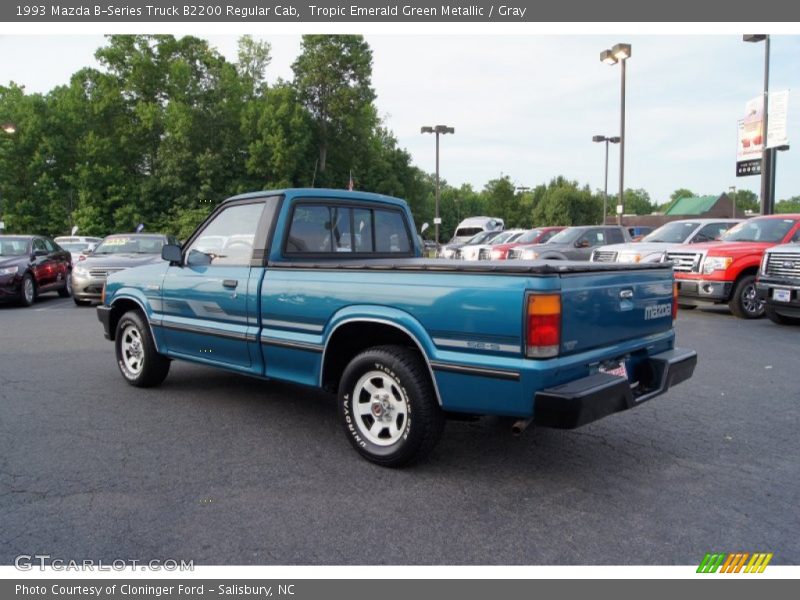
(333, 78)
(745, 201)
(563, 202)
(789, 205)
(637, 202)
(253, 59)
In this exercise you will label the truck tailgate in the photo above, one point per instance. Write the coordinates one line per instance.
(604, 308)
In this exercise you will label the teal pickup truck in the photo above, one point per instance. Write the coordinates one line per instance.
(326, 288)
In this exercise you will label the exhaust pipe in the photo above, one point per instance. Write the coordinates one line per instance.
(520, 425)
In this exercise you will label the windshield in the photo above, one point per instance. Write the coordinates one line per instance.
(13, 246)
(506, 236)
(759, 230)
(529, 236)
(467, 232)
(122, 244)
(566, 236)
(481, 237)
(74, 246)
(673, 233)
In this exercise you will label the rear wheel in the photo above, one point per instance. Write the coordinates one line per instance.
(79, 302)
(778, 318)
(66, 291)
(687, 306)
(744, 302)
(138, 361)
(27, 291)
(388, 406)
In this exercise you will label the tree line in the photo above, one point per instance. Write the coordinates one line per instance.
(167, 128)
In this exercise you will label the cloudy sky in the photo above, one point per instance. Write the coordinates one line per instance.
(527, 105)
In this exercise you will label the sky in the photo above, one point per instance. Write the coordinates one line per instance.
(527, 106)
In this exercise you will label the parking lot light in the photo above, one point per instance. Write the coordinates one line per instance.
(438, 130)
(619, 53)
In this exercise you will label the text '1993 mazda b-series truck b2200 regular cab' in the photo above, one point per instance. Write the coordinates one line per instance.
(326, 288)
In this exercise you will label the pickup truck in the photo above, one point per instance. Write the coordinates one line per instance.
(778, 283)
(725, 271)
(325, 288)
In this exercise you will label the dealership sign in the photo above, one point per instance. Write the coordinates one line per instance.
(750, 137)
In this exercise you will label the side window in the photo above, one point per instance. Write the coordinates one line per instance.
(362, 230)
(309, 231)
(709, 232)
(796, 236)
(38, 244)
(615, 236)
(594, 237)
(390, 232)
(228, 238)
(51, 247)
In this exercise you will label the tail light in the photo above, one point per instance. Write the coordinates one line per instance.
(674, 300)
(81, 257)
(543, 325)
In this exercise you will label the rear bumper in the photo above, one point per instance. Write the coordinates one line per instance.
(704, 290)
(104, 316)
(591, 398)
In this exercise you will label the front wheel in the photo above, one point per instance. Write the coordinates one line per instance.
(138, 361)
(388, 406)
(744, 302)
(27, 292)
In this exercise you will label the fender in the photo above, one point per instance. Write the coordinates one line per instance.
(136, 295)
(387, 316)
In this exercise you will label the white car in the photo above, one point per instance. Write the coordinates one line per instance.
(77, 245)
(654, 245)
(473, 252)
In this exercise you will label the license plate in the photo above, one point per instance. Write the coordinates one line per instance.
(782, 295)
(619, 370)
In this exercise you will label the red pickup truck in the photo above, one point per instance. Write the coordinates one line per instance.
(725, 271)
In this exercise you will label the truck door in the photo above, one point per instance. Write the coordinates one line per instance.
(210, 302)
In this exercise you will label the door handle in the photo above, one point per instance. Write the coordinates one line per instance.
(230, 283)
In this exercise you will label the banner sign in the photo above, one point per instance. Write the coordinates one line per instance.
(750, 137)
(410, 11)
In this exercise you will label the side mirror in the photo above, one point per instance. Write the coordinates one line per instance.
(171, 253)
(582, 244)
(424, 227)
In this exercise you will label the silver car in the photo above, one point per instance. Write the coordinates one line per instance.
(115, 253)
(654, 245)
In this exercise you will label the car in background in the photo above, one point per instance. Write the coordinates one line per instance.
(452, 250)
(77, 245)
(637, 232)
(31, 265)
(778, 283)
(474, 225)
(539, 235)
(473, 251)
(115, 253)
(654, 245)
(574, 243)
(724, 272)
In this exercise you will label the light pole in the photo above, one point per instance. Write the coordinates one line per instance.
(10, 129)
(614, 140)
(767, 156)
(438, 129)
(620, 53)
(732, 190)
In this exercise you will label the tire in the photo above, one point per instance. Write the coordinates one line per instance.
(744, 302)
(138, 361)
(66, 291)
(27, 290)
(79, 302)
(686, 306)
(397, 441)
(775, 317)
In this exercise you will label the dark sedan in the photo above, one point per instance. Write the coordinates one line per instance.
(31, 265)
(115, 253)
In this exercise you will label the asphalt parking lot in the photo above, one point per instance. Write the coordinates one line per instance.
(224, 469)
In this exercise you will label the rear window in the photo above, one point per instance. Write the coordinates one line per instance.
(321, 229)
(759, 230)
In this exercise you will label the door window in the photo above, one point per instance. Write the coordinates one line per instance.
(38, 244)
(228, 238)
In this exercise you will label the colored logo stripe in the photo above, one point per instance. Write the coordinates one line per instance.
(734, 562)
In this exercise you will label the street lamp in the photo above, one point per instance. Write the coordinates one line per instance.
(10, 129)
(438, 129)
(614, 140)
(620, 53)
(733, 191)
(767, 202)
